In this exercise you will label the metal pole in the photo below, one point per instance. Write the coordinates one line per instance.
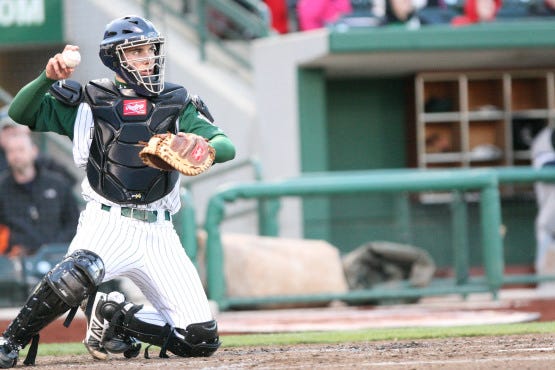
(490, 207)
(459, 223)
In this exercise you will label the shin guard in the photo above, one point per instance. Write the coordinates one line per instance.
(63, 288)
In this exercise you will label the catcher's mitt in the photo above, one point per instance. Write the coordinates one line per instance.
(187, 153)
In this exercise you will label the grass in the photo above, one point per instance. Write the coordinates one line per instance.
(367, 335)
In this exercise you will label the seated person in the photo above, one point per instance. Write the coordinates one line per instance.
(36, 205)
(9, 130)
(401, 12)
(542, 8)
(314, 14)
(478, 11)
(438, 12)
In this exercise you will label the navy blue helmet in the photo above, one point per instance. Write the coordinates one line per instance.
(131, 32)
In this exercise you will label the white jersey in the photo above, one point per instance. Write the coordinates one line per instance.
(82, 138)
(148, 253)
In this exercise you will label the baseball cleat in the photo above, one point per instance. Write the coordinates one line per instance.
(99, 341)
(97, 352)
(117, 342)
(8, 354)
(95, 329)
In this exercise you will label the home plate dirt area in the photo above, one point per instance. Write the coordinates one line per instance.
(504, 352)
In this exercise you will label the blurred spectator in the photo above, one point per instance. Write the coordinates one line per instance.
(542, 8)
(36, 205)
(518, 9)
(12, 129)
(401, 12)
(543, 156)
(477, 11)
(437, 12)
(313, 14)
(8, 131)
(279, 13)
(395, 12)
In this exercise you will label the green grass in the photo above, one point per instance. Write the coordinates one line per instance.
(367, 335)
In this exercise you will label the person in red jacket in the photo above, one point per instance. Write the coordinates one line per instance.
(477, 11)
(280, 17)
(315, 14)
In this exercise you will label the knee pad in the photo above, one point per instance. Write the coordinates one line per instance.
(197, 340)
(201, 339)
(76, 276)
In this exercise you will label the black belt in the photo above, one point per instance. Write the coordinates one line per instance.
(138, 214)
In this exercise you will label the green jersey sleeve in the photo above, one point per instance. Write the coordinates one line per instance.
(193, 121)
(33, 106)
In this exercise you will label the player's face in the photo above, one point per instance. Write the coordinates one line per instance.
(142, 58)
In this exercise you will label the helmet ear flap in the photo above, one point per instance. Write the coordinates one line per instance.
(107, 58)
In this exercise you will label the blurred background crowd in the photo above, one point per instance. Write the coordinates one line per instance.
(303, 15)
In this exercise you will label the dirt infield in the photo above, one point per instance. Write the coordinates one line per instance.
(506, 352)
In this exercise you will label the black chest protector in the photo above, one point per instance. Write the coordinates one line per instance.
(121, 121)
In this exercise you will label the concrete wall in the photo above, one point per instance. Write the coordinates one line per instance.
(276, 61)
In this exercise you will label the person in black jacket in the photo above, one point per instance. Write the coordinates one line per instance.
(42, 161)
(37, 205)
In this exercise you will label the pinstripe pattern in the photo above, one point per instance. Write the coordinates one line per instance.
(150, 254)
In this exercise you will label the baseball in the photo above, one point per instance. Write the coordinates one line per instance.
(71, 58)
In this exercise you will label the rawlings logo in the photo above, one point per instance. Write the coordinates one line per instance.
(136, 107)
(198, 153)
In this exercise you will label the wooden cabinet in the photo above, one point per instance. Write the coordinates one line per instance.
(473, 119)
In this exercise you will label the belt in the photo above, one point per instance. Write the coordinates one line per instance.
(138, 214)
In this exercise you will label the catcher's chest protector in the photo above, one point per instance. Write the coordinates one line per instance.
(114, 168)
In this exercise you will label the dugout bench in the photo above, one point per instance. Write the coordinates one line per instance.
(485, 181)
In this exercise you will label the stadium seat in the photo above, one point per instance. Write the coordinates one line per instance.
(13, 289)
(48, 255)
(38, 264)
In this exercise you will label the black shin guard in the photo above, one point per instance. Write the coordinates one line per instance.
(197, 340)
(63, 288)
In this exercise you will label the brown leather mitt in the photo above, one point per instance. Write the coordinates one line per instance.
(187, 153)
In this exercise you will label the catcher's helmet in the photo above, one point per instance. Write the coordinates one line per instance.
(130, 32)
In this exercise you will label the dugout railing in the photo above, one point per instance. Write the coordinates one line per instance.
(484, 181)
(185, 220)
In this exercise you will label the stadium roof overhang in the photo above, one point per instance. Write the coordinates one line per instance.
(397, 51)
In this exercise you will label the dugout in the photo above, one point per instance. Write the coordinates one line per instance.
(356, 101)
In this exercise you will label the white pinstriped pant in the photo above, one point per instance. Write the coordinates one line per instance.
(150, 255)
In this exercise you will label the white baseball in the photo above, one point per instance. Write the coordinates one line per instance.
(71, 58)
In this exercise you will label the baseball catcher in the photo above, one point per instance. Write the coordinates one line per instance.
(131, 134)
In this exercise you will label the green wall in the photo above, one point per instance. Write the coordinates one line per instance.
(354, 125)
(31, 22)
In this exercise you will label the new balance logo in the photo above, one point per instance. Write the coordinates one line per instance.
(96, 329)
